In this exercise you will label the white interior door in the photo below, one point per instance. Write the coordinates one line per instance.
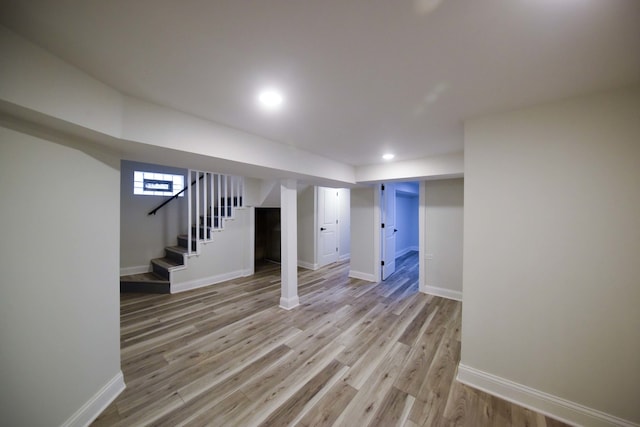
(327, 226)
(388, 214)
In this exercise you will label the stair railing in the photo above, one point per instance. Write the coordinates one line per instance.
(175, 196)
(211, 200)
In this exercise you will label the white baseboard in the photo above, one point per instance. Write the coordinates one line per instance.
(547, 404)
(362, 276)
(344, 257)
(136, 269)
(442, 292)
(205, 281)
(307, 265)
(98, 403)
(407, 250)
(248, 272)
(289, 303)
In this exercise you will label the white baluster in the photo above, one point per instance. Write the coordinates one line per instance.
(189, 211)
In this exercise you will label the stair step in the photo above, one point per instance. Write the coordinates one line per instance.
(162, 266)
(167, 263)
(175, 253)
(182, 241)
(146, 283)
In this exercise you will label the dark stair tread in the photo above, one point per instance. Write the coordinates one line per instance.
(166, 262)
(177, 249)
(186, 236)
(144, 277)
(148, 283)
(145, 287)
(182, 242)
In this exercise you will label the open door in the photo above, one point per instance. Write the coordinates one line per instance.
(327, 222)
(388, 216)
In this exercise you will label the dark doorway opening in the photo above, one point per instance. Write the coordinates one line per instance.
(267, 241)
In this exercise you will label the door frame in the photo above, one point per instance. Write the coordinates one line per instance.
(388, 232)
(377, 233)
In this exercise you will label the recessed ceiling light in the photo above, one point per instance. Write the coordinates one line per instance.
(388, 156)
(270, 99)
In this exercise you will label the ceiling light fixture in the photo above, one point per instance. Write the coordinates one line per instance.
(388, 156)
(270, 99)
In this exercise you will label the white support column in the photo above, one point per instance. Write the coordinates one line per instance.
(422, 248)
(289, 243)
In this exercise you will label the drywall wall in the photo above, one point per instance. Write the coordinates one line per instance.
(59, 294)
(443, 166)
(443, 228)
(307, 228)
(143, 236)
(33, 78)
(406, 223)
(344, 218)
(251, 191)
(227, 256)
(364, 216)
(551, 244)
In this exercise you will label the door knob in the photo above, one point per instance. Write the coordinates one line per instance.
(322, 229)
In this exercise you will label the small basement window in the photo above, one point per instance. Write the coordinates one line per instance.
(157, 184)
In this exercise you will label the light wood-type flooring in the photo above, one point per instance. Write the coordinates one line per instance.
(353, 353)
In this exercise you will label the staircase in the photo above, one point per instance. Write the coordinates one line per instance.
(212, 199)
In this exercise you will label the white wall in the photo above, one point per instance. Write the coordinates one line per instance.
(364, 248)
(307, 228)
(551, 251)
(252, 191)
(59, 295)
(443, 230)
(143, 236)
(444, 166)
(35, 79)
(406, 223)
(344, 217)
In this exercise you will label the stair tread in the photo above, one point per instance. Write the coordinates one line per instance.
(186, 236)
(166, 262)
(150, 278)
(179, 249)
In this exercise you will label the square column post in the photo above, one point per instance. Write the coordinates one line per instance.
(289, 243)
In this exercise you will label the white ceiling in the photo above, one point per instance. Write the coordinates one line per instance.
(360, 77)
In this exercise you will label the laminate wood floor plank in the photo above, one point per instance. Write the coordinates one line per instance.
(291, 409)
(283, 389)
(197, 407)
(418, 363)
(352, 353)
(198, 373)
(185, 319)
(222, 338)
(234, 360)
(364, 406)
(357, 347)
(299, 361)
(329, 408)
(374, 352)
(394, 409)
(432, 398)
